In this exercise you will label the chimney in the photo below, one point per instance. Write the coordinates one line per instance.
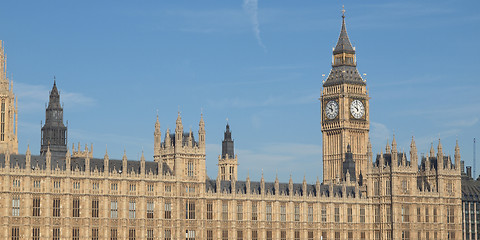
(469, 171)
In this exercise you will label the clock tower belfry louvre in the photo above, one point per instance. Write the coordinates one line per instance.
(345, 115)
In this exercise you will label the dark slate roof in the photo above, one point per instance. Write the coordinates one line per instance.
(184, 139)
(343, 44)
(241, 187)
(387, 158)
(344, 74)
(470, 189)
(79, 162)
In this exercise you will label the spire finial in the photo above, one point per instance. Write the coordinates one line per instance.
(343, 11)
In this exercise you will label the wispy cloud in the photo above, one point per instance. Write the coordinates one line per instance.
(251, 7)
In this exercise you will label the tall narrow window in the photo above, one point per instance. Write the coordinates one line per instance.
(168, 210)
(225, 235)
(419, 215)
(150, 208)
(95, 208)
(209, 210)
(56, 234)
(94, 233)
(168, 234)
(388, 189)
(190, 168)
(405, 235)
(131, 209)
(254, 211)
(56, 207)
(405, 214)
(240, 211)
(324, 235)
(297, 235)
(76, 208)
(349, 215)
(254, 235)
(269, 212)
(337, 235)
(113, 234)
(190, 235)
(426, 215)
(337, 214)
(269, 235)
(239, 235)
(297, 212)
(75, 233)
(114, 209)
(36, 233)
(131, 234)
(283, 235)
(190, 209)
(362, 214)
(310, 235)
(283, 213)
(225, 211)
(434, 215)
(389, 213)
(2, 122)
(15, 233)
(36, 207)
(324, 213)
(209, 235)
(377, 214)
(16, 206)
(350, 235)
(310, 213)
(150, 234)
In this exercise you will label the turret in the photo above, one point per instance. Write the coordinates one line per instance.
(457, 156)
(440, 162)
(48, 160)
(247, 184)
(28, 159)
(413, 154)
(167, 139)
(201, 133)
(304, 187)
(432, 152)
(87, 161)
(54, 132)
(68, 161)
(290, 186)
(262, 185)
(277, 186)
(142, 164)
(106, 162)
(227, 162)
(178, 133)
(124, 163)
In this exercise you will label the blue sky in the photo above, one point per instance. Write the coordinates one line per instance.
(257, 63)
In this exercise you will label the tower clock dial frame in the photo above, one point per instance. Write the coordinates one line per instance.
(331, 109)
(357, 109)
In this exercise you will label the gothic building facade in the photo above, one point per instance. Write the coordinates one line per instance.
(60, 194)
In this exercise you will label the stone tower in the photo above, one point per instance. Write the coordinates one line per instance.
(345, 113)
(54, 132)
(227, 162)
(8, 109)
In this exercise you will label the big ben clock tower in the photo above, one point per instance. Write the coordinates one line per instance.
(345, 113)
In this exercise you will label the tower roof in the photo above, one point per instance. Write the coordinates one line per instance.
(343, 43)
(54, 101)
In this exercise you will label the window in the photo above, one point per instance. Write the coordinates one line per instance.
(114, 186)
(225, 211)
(114, 209)
(168, 188)
(337, 235)
(451, 235)
(190, 168)
(56, 184)
(150, 187)
(209, 210)
(269, 235)
(405, 214)
(389, 235)
(209, 235)
(190, 235)
(310, 235)
(324, 214)
(426, 215)
(168, 234)
(376, 189)
(404, 186)
(16, 183)
(76, 185)
(362, 214)
(16, 206)
(149, 234)
(15, 233)
(377, 214)
(419, 235)
(190, 209)
(113, 234)
(324, 235)
(131, 209)
(337, 214)
(310, 213)
(76, 208)
(297, 235)
(389, 213)
(35, 233)
(225, 235)
(150, 207)
(388, 189)
(240, 211)
(349, 215)
(95, 208)
(434, 215)
(75, 233)
(283, 235)
(168, 210)
(254, 235)
(350, 235)
(94, 233)
(269, 212)
(283, 213)
(56, 234)
(95, 185)
(254, 211)
(36, 207)
(133, 187)
(239, 235)
(36, 184)
(297, 212)
(419, 215)
(2, 125)
(450, 215)
(362, 236)
(56, 207)
(131, 234)
(405, 235)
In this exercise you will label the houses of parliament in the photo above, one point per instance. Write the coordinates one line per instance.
(67, 193)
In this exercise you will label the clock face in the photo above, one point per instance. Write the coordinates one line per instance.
(331, 109)
(357, 109)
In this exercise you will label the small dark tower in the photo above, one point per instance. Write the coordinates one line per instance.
(349, 165)
(54, 132)
(227, 144)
